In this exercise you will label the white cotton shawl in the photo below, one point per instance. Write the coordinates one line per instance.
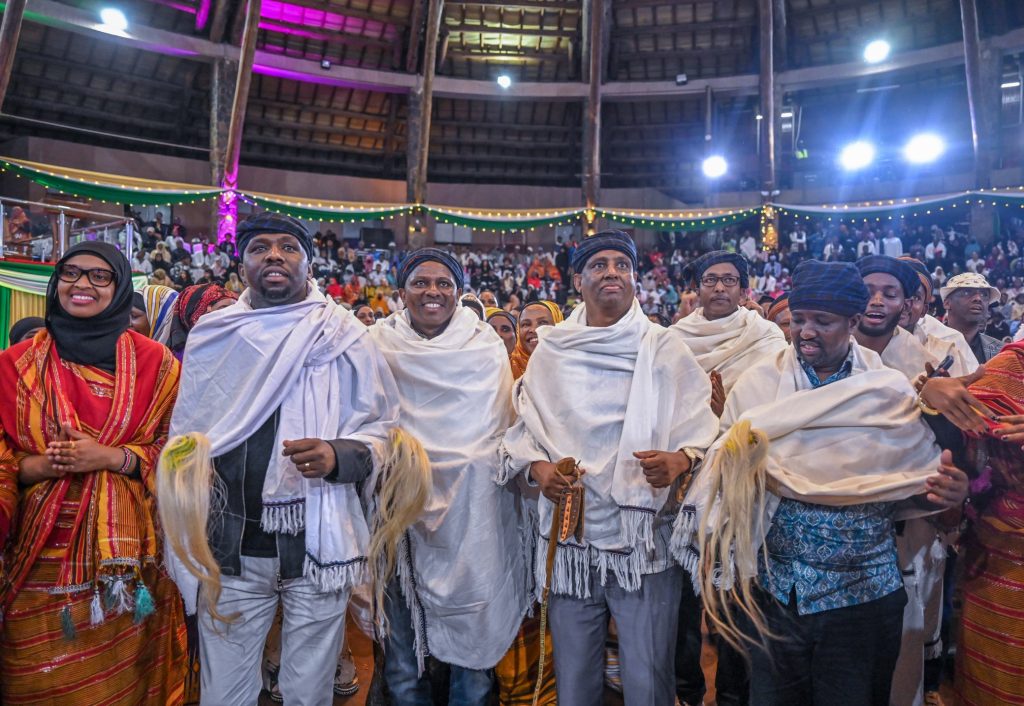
(905, 353)
(929, 326)
(313, 361)
(857, 440)
(732, 344)
(598, 394)
(463, 570)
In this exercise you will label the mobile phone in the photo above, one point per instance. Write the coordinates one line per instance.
(943, 366)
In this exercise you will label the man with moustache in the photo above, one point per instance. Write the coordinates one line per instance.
(920, 543)
(890, 284)
(293, 396)
(726, 339)
(626, 400)
(966, 298)
(813, 559)
(461, 589)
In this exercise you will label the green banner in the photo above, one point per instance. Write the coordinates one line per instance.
(140, 196)
(310, 212)
(652, 222)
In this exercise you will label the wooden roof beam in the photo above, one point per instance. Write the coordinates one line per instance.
(464, 28)
(681, 27)
(355, 13)
(525, 5)
(322, 35)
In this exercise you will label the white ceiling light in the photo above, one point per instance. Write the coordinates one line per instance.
(113, 20)
(857, 155)
(505, 81)
(877, 51)
(715, 166)
(924, 148)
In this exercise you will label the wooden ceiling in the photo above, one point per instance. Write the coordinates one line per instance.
(64, 80)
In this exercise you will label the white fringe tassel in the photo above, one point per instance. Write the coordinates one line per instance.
(406, 584)
(335, 578)
(284, 519)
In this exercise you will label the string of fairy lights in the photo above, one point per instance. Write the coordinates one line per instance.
(120, 190)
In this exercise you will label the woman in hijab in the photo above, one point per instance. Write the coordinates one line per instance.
(504, 324)
(89, 615)
(153, 310)
(532, 317)
(194, 303)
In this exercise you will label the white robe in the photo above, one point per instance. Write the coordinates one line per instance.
(465, 575)
(906, 354)
(732, 344)
(857, 440)
(930, 327)
(598, 394)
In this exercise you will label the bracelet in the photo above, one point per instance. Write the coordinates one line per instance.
(129, 460)
(923, 406)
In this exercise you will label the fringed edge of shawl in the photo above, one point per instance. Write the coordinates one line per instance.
(571, 575)
(637, 527)
(684, 531)
(407, 585)
(530, 531)
(284, 518)
(335, 576)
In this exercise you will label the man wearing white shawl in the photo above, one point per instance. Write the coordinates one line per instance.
(920, 544)
(627, 400)
(838, 452)
(461, 591)
(727, 340)
(292, 395)
(725, 337)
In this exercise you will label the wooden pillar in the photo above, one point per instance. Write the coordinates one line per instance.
(594, 71)
(766, 85)
(982, 122)
(228, 208)
(222, 88)
(219, 24)
(420, 108)
(10, 29)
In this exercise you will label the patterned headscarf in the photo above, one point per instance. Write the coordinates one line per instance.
(834, 287)
(422, 255)
(159, 301)
(520, 356)
(605, 240)
(922, 275)
(193, 304)
(899, 269)
(778, 307)
(716, 257)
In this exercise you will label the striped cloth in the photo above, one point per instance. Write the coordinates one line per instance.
(516, 673)
(990, 648)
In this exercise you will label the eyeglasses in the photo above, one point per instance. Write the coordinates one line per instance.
(712, 280)
(98, 276)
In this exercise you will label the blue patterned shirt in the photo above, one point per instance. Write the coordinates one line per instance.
(830, 557)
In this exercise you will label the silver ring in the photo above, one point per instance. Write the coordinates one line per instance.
(307, 465)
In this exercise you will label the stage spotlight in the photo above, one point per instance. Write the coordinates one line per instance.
(113, 20)
(924, 148)
(857, 155)
(877, 51)
(505, 81)
(715, 166)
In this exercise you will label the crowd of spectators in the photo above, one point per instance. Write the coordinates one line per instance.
(358, 276)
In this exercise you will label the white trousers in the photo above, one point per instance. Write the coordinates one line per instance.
(922, 555)
(312, 630)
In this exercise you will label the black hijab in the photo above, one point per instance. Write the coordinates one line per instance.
(92, 341)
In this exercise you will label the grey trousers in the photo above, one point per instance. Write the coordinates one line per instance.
(646, 621)
(312, 629)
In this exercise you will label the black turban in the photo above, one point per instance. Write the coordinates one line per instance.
(422, 255)
(22, 327)
(834, 287)
(716, 257)
(269, 222)
(605, 240)
(899, 269)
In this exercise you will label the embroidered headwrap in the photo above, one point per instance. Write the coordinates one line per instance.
(194, 302)
(899, 269)
(422, 255)
(605, 240)
(697, 268)
(922, 274)
(834, 287)
(778, 306)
